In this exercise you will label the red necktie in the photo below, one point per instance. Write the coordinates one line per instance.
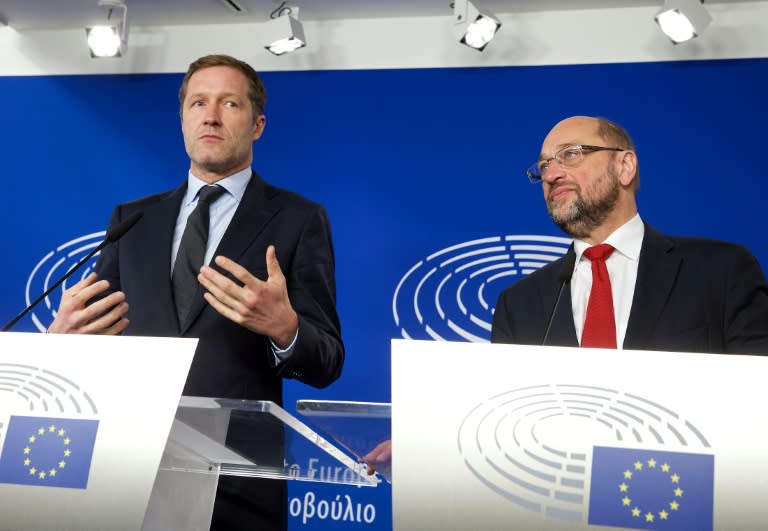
(600, 325)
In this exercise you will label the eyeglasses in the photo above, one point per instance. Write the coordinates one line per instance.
(568, 157)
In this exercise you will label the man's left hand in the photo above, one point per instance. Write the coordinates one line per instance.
(260, 306)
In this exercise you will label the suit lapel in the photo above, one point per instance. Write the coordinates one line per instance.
(158, 226)
(256, 208)
(656, 273)
(563, 331)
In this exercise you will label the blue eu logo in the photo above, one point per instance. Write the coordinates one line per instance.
(649, 489)
(48, 452)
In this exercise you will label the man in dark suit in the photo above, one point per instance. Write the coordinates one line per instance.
(263, 308)
(667, 293)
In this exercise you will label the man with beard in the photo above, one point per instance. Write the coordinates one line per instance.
(631, 287)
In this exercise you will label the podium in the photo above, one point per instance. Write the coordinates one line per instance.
(528, 437)
(93, 435)
(268, 443)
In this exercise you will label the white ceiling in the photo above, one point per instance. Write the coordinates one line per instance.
(67, 14)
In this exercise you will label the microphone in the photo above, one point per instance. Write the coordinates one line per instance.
(113, 234)
(566, 272)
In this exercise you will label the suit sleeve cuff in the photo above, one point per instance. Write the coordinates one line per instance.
(282, 354)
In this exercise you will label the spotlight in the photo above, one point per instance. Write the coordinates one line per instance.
(284, 33)
(109, 40)
(473, 28)
(682, 20)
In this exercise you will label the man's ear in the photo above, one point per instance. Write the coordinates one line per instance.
(258, 127)
(628, 169)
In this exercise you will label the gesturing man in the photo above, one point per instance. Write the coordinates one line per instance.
(244, 266)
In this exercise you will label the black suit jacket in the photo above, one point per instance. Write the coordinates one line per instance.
(230, 361)
(691, 295)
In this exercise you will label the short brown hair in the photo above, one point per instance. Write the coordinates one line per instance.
(615, 135)
(256, 91)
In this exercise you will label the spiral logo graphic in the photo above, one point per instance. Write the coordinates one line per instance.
(40, 390)
(449, 295)
(52, 267)
(514, 443)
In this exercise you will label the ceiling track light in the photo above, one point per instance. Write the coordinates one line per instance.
(683, 20)
(109, 40)
(284, 33)
(473, 27)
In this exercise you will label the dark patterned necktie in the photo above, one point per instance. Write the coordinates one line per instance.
(600, 324)
(191, 252)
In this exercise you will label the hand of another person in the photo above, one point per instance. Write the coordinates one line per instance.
(105, 316)
(380, 460)
(260, 306)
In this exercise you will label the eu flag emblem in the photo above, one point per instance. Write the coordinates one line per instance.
(650, 489)
(48, 452)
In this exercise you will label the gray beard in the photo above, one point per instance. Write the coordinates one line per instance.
(581, 217)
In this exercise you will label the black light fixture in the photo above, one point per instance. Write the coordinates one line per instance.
(473, 27)
(110, 39)
(683, 20)
(284, 33)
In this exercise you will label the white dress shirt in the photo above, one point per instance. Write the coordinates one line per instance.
(221, 213)
(622, 270)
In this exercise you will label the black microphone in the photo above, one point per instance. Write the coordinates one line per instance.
(566, 272)
(113, 234)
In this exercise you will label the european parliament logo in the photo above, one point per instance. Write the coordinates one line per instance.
(650, 489)
(451, 293)
(54, 265)
(48, 452)
(587, 454)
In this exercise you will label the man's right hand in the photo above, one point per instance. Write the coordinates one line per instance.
(105, 316)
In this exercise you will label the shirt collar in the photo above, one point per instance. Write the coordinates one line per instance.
(235, 185)
(627, 240)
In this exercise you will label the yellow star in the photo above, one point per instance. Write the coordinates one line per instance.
(626, 501)
(665, 467)
(62, 464)
(675, 478)
(651, 463)
(623, 487)
(41, 431)
(628, 474)
(52, 428)
(41, 475)
(663, 514)
(32, 471)
(678, 492)
(649, 517)
(27, 461)
(67, 452)
(52, 472)
(66, 440)
(26, 450)
(32, 438)
(61, 432)
(638, 465)
(674, 506)
(635, 512)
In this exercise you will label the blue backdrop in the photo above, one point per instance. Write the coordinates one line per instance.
(408, 163)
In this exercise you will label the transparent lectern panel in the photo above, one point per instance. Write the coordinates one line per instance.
(257, 439)
(359, 427)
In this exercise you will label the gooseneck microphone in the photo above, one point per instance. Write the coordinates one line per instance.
(566, 272)
(113, 234)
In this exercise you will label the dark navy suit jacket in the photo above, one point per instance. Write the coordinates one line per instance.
(691, 295)
(230, 361)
